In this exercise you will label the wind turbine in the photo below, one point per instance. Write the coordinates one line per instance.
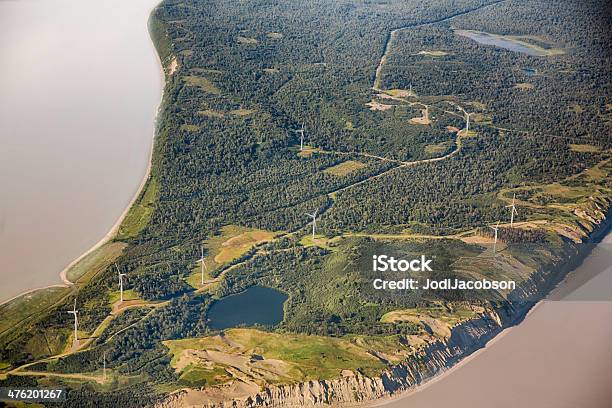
(104, 366)
(74, 312)
(203, 265)
(121, 275)
(495, 228)
(467, 119)
(301, 132)
(314, 222)
(513, 211)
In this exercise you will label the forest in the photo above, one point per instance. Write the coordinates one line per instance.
(226, 153)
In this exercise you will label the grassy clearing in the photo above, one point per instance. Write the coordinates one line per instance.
(246, 40)
(399, 93)
(317, 357)
(190, 128)
(238, 245)
(306, 152)
(320, 241)
(584, 148)
(203, 83)
(345, 168)
(129, 294)
(437, 319)
(524, 86)
(209, 113)
(232, 242)
(140, 213)
(433, 53)
(481, 118)
(95, 262)
(438, 148)
(200, 376)
(265, 356)
(242, 112)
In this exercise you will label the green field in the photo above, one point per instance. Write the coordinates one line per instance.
(296, 357)
(344, 168)
(139, 214)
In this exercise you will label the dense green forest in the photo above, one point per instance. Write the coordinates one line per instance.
(250, 73)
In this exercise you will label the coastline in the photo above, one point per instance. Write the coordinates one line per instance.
(602, 235)
(66, 283)
(443, 374)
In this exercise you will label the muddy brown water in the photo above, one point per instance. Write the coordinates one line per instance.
(81, 84)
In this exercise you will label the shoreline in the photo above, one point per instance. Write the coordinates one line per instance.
(443, 374)
(66, 283)
(602, 236)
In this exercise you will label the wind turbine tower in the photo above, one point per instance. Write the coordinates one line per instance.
(513, 211)
(74, 312)
(314, 223)
(104, 366)
(495, 228)
(203, 264)
(467, 123)
(121, 275)
(301, 132)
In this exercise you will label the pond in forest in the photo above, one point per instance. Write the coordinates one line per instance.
(256, 305)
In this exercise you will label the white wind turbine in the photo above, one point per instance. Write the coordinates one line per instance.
(301, 132)
(467, 119)
(513, 211)
(74, 312)
(121, 275)
(203, 266)
(314, 223)
(104, 366)
(495, 228)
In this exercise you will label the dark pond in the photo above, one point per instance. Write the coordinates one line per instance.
(256, 305)
(507, 43)
(530, 71)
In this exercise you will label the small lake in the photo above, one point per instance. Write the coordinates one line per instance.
(256, 305)
(504, 42)
(530, 71)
